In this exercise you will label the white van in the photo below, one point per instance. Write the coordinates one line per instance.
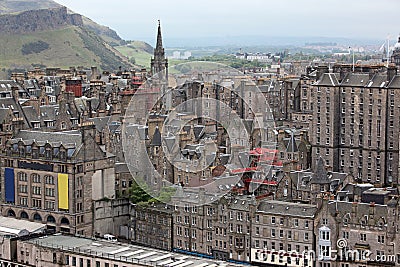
(110, 238)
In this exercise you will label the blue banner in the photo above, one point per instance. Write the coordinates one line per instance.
(9, 184)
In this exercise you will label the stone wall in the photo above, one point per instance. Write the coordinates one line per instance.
(110, 215)
(38, 20)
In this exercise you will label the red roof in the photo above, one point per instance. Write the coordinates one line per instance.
(258, 181)
(249, 169)
(261, 151)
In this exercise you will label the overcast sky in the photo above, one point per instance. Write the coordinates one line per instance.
(133, 19)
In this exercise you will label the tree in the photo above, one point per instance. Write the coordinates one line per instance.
(165, 194)
(138, 192)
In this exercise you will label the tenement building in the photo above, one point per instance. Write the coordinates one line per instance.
(357, 234)
(54, 177)
(152, 225)
(283, 233)
(220, 230)
(355, 121)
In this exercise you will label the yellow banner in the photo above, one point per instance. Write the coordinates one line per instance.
(63, 191)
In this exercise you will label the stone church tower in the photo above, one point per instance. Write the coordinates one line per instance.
(159, 62)
(159, 71)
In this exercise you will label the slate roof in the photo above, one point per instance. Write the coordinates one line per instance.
(114, 126)
(121, 167)
(156, 139)
(100, 122)
(328, 79)
(6, 85)
(356, 79)
(66, 137)
(15, 106)
(3, 114)
(198, 131)
(169, 142)
(320, 175)
(275, 207)
(242, 203)
(378, 80)
(395, 83)
(137, 130)
(344, 209)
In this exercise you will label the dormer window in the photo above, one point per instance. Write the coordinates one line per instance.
(47, 154)
(56, 150)
(41, 151)
(36, 125)
(22, 151)
(49, 123)
(363, 223)
(62, 155)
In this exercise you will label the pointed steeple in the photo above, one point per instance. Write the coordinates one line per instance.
(159, 62)
(159, 46)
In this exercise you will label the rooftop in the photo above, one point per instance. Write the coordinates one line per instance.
(287, 208)
(13, 227)
(124, 252)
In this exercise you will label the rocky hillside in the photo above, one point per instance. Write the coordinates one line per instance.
(53, 38)
(16, 6)
(38, 20)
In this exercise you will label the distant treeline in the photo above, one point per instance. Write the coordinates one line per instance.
(321, 44)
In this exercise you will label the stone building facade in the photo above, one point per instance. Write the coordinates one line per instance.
(220, 230)
(355, 124)
(281, 234)
(54, 177)
(357, 234)
(152, 225)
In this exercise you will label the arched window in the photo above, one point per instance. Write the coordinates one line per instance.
(11, 213)
(24, 215)
(22, 176)
(37, 217)
(65, 221)
(51, 219)
(49, 179)
(35, 178)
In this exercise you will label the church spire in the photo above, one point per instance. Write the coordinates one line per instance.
(159, 46)
(159, 62)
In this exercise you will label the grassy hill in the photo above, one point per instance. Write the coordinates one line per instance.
(71, 46)
(85, 44)
(138, 52)
(16, 6)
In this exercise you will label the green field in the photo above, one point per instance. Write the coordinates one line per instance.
(139, 51)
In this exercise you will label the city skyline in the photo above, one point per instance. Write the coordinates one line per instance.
(232, 19)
